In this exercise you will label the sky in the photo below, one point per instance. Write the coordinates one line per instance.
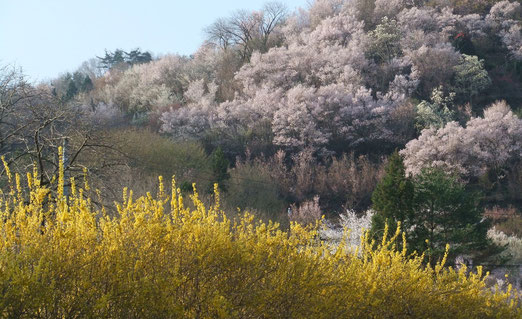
(50, 37)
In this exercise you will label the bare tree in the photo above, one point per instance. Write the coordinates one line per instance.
(248, 31)
(218, 33)
(34, 124)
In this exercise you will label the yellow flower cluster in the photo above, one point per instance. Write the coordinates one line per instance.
(162, 258)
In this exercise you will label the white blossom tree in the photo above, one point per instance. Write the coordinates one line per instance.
(485, 143)
(504, 19)
(341, 72)
(434, 65)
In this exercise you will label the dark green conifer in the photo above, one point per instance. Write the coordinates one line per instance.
(219, 169)
(393, 197)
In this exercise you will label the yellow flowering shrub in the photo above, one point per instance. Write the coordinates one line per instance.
(60, 257)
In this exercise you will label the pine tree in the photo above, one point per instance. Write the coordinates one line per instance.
(446, 212)
(87, 84)
(71, 92)
(137, 57)
(434, 209)
(111, 60)
(219, 169)
(393, 197)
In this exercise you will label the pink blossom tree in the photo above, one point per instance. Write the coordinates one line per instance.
(485, 143)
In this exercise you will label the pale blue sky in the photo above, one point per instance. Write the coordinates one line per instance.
(49, 37)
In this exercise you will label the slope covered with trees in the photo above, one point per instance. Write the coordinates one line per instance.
(384, 111)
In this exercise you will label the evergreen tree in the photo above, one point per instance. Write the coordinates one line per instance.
(106, 61)
(145, 57)
(219, 169)
(78, 78)
(393, 197)
(446, 213)
(118, 57)
(87, 84)
(434, 209)
(137, 57)
(112, 59)
(71, 92)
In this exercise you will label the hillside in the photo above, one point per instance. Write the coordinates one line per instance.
(356, 114)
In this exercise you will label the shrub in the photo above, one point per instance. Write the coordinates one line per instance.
(251, 187)
(158, 155)
(136, 156)
(511, 271)
(511, 226)
(348, 180)
(507, 220)
(513, 245)
(308, 213)
(345, 180)
(219, 168)
(161, 259)
(357, 224)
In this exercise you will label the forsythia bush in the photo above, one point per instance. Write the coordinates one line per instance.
(158, 258)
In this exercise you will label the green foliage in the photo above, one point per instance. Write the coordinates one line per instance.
(435, 209)
(137, 57)
(158, 155)
(252, 187)
(71, 92)
(446, 213)
(385, 41)
(120, 57)
(470, 76)
(111, 59)
(256, 138)
(87, 84)
(219, 169)
(436, 113)
(393, 197)
(464, 44)
(68, 86)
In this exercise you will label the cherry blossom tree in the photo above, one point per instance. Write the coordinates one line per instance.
(434, 65)
(199, 115)
(339, 76)
(504, 19)
(485, 143)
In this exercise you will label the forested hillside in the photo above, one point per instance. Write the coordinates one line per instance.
(366, 112)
